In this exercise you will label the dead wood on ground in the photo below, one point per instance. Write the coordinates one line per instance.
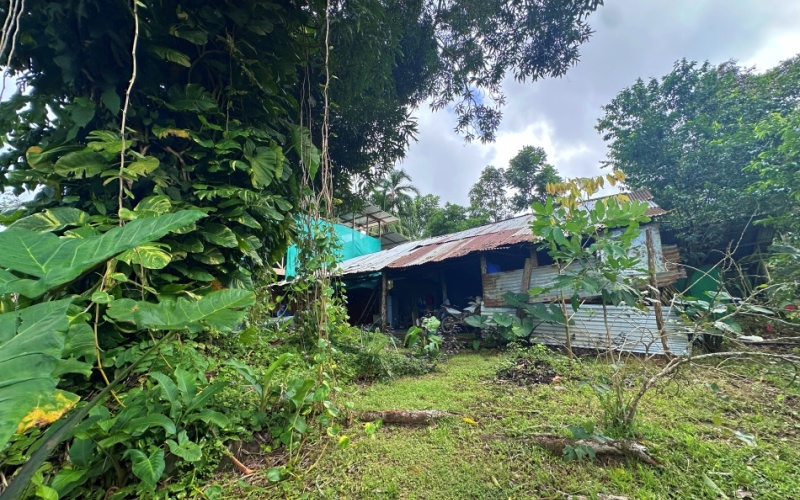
(556, 444)
(406, 417)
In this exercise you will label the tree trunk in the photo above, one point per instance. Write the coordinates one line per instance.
(657, 309)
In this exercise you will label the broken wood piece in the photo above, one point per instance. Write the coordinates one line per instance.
(407, 417)
(556, 444)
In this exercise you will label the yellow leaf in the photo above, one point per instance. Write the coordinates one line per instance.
(47, 412)
(496, 483)
(469, 421)
(175, 132)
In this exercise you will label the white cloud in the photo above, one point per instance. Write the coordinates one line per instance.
(634, 38)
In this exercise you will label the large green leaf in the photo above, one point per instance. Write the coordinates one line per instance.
(150, 256)
(219, 234)
(52, 219)
(148, 469)
(265, 163)
(83, 163)
(31, 347)
(185, 448)
(214, 310)
(56, 261)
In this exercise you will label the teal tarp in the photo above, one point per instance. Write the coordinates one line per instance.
(352, 244)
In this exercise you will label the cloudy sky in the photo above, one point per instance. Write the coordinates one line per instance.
(633, 38)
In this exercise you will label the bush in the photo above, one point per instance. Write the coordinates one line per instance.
(375, 356)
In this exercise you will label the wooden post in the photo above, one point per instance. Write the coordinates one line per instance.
(384, 299)
(656, 293)
(534, 258)
(443, 280)
(525, 286)
(483, 264)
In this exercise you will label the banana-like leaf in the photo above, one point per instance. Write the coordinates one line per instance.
(56, 261)
(214, 310)
(31, 348)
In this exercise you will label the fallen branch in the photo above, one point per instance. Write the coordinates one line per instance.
(407, 417)
(556, 444)
(239, 465)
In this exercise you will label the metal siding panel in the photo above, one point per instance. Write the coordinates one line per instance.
(630, 330)
(496, 285)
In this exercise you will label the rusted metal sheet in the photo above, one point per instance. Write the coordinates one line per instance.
(498, 284)
(440, 248)
(673, 270)
(627, 329)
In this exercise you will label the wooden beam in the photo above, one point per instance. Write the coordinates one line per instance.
(483, 264)
(526, 277)
(443, 280)
(534, 258)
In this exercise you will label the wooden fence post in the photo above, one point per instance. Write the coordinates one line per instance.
(656, 293)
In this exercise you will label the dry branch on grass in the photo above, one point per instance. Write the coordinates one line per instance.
(406, 417)
(556, 444)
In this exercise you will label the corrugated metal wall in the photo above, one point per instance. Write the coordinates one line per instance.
(496, 285)
(628, 329)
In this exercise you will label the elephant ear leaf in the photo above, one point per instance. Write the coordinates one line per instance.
(31, 346)
(215, 310)
(46, 261)
(148, 469)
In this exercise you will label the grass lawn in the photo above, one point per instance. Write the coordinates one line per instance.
(485, 451)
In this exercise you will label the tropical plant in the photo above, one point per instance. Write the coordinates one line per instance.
(44, 340)
(590, 243)
(393, 192)
(261, 384)
(425, 338)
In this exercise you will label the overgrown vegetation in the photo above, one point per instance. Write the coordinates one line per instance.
(172, 152)
(486, 448)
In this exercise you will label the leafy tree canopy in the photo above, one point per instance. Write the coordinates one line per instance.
(688, 138)
(529, 173)
(487, 197)
(423, 209)
(452, 218)
(391, 56)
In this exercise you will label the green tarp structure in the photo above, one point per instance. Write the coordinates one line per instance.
(352, 244)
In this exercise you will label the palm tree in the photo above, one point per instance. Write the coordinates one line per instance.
(394, 190)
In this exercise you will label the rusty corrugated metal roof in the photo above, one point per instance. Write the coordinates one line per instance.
(439, 248)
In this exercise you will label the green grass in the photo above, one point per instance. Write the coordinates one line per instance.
(683, 424)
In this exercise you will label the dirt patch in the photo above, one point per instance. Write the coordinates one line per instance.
(528, 372)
